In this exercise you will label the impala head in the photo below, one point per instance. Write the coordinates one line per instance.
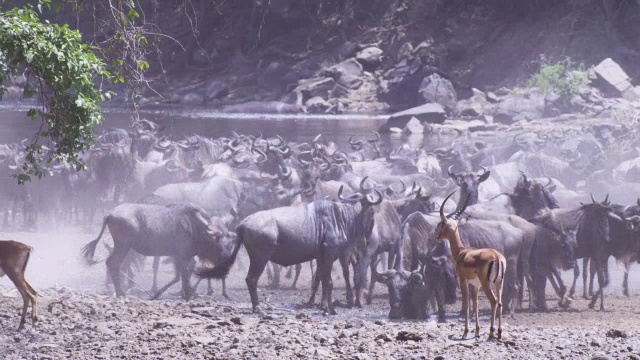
(449, 223)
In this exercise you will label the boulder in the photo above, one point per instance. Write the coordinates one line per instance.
(414, 126)
(405, 51)
(316, 87)
(435, 89)
(347, 73)
(192, 99)
(317, 105)
(517, 107)
(370, 57)
(611, 79)
(492, 97)
(428, 113)
(216, 90)
(474, 106)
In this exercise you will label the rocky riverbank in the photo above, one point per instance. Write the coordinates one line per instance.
(84, 325)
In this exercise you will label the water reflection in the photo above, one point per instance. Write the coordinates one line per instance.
(15, 126)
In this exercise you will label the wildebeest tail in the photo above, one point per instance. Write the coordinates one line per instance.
(221, 270)
(89, 250)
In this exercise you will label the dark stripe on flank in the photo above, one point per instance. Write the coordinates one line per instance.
(489, 271)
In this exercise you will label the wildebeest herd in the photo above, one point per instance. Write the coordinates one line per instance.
(530, 198)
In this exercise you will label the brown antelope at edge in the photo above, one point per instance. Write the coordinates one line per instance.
(14, 257)
(475, 267)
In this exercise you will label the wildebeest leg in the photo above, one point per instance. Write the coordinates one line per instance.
(345, 263)
(224, 289)
(603, 281)
(277, 269)
(295, 279)
(625, 282)
(156, 266)
(210, 288)
(315, 283)
(359, 277)
(576, 275)
(372, 282)
(256, 268)
(289, 273)
(592, 273)
(324, 272)
(114, 261)
(175, 280)
(557, 283)
(185, 271)
(585, 272)
(269, 273)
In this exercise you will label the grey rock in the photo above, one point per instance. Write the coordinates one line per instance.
(474, 106)
(347, 73)
(517, 107)
(175, 322)
(192, 99)
(414, 126)
(611, 78)
(316, 87)
(405, 51)
(435, 89)
(216, 90)
(371, 56)
(317, 105)
(492, 97)
(614, 333)
(429, 113)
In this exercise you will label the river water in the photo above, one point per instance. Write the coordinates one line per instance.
(16, 126)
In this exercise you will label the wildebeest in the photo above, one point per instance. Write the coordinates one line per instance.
(180, 231)
(321, 230)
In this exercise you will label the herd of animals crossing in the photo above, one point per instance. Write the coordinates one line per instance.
(524, 214)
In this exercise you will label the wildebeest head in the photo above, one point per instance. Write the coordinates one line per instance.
(439, 272)
(403, 285)
(367, 150)
(599, 218)
(563, 240)
(367, 197)
(530, 197)
(469, 183)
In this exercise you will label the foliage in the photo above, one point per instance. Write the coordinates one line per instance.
(62, 71)
(563, 78)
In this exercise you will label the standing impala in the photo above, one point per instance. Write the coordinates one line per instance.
(477, 267)
(14, 257)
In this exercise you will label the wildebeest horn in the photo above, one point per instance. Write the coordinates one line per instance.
(442, 217)
(638, 201)
(377, 137)
(316, 139)
(416, 189)
(355, 145)
(524, 177)
(365, 189)
(285, 172)
(381, 277)
(592, 199)
(374, 202)
(606, 200)
(352, 199)
(452, 175)
(262, 156)
(456, 214)
(551, 186)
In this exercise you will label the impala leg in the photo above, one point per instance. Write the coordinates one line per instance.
(19, 282)
(34, 305)
(498, 309)
(465, 305)
(474, 299)
(486, 287)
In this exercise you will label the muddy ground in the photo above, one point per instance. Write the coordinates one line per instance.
(81, 319)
